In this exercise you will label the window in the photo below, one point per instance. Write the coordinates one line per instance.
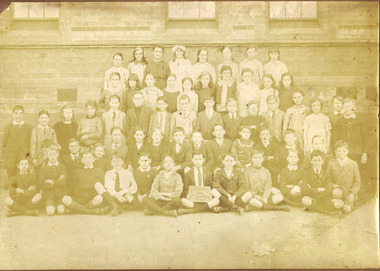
(194, 10)
(288, 10)
(35, 10)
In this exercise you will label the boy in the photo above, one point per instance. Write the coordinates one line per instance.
(113, 118)
(232, 121)
(164, 196)
(335, 115)
(72, 162)
(90, 196)
(151, 93)
(135, 148)
(219, 146)
(199, 146)
(242, 148)
(231, 185)
(254, 121)
(53, 178)
(253, 64)
(180, 150)
(115, 88)
(290, 179)
(144, 176)
(183, 117)
(274, 118)
(224, 89)
(197, 176)
(116, 145)
(208, 118)
(316, 186)
(270, 150)
(23, 197)
(290, 144)
(352, 129)
(317, 144)
(16, 141)
(158, 67)
(157, 148)
(123, 72)
(101, 161)
(138, 115)
(345, 176)
(264, 196)
(161, 119)
(120, 183)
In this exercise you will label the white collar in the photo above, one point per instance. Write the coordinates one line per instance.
(220, 141)
(338, 112)
(91, 167)
(292, 167)
(144, 170)
(342, 162)
(228, 172)
(18, 123)
(53, 164)
(42, 127)
(114, 145)
(229, 83)
(74, 155)
(291, 147)
(265, 144)
(352, 116)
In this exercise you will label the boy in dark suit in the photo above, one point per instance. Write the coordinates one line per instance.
(180, 150)
(72, 162)
(219, 145)
(116, 145)
(208, 118)
(113, 118)
(135, 148)
(232, 121)
(138, 115)
(197, 145)
(161, 119)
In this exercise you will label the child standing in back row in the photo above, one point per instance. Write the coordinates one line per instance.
(247, 91)
(65, 129)
(274, 66)
(268, 89)
(123, 72)
(253, 64)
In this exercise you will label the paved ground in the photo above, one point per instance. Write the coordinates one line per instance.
(132, 240)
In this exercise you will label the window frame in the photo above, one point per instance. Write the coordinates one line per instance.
(191, 19)
(34, 18)
(293, 19)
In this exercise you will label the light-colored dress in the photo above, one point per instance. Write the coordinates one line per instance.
(255, 66)
(294, 119)
(198, 68)
(316, 124)
(247, 93)
(181, 68)
(264, 93)
(276, 69)
(139, 69)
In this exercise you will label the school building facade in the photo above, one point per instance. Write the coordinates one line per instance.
(59, 52)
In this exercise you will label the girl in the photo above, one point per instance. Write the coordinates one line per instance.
(151, 92)
(295, 116)
(158, 67)
(274, 66)
(65, 129)
(187, 86)
(164, 197)
(253, 64)
(247, 91)
(201, 66)
(316, 123)
(138, 64)
(285, 91)
(123, 72)
(171, 93)
(90, 128)
(224, 89)
(133, 86)
(268, 83)
(274, 118)
(113, 88)
(227, 60)
(180, 66)
(204, 89)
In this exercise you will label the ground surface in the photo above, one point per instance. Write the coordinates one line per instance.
(133, 240)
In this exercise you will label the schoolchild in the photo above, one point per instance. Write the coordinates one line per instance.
(115, 88)
(274, 66)
(253, 120)
(138, 115)
(247, 91)
(90, 128)
(219, 145)
(183, 117)
(204, 89)
(66, 128)
(133, 86)
(242, 148)
(224, 89)
(291, 143)
(159, 68)
(138, 64)
(202, 66)
(151, 92)
(253, 64)
(274, 118)
(158, 147)
(116, 145)
(228, 60)
(171, 93)
(188, 90)
(113, 118)
(135, 147)
(208, 118)
(123, 72)
(232, 121)
(285, 91)
(72, 162)
(180, 65)
(267, 90)
(161, 119)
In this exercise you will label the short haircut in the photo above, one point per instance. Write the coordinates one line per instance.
(171, 75)
(264, 128)
(251, 102)
(47, 143)
(162, 98)
(117, 155)
(246, 70)
(98, 145)
(289, 131)
(251, 46)
(116, 128)
(114, 96)
(197, 132)
(92, 103)
(298, 90)
(256, 151)
(43, 112)
(86, 151)
(117, 54)
(188, 79)
(150, 73)
(316, 153)
(226, 68)
(183, 98)
(22, 159)
(115, 73)
(349, 100)
(18, 107)
(137, 93)
(218, 125)
(316, 99)
(196, 152)
(158, 46)
(138, 129)
(242, 127)
(295, 151)
(178, 129)
(53, 147)
(72, 140)
(209, 97)
(67, 106)
(273, 97)
(228, 154)
(157, 130)
(316, 136)
(167, 155)
(341, 144)
(338, 98)
(274, 50)
(145, 154)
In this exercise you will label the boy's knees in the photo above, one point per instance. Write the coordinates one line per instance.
(213, 203)
(255, 203)
(275, 191)
(337, 193)
(8, 201)
(296, 191)
(307, 201)
(67, 200)
(50, 210)
(347, 209)
(277, 198)
(99, 188)
(187, 203)
(246, 197)
(97, 200)
(37, 197)
(215, 193)
(61, 209)
(338, 203)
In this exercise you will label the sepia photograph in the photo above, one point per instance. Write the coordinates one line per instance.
(189, 135)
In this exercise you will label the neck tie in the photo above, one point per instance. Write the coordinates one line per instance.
(117, 181)
(200, 183)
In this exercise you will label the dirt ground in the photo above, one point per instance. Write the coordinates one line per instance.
(133, 240)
